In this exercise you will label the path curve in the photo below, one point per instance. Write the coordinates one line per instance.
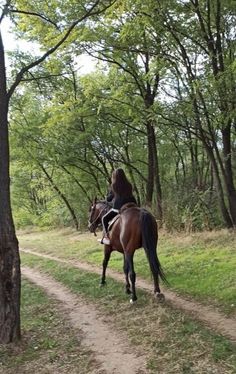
(206, 314)
(110, 348)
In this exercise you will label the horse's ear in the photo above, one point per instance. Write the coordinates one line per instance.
(95, 200)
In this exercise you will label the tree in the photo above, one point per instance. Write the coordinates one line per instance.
(126, 42)
(204, 63)
(9, 252)
(159, 103)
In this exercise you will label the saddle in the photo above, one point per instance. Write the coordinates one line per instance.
(124, 207)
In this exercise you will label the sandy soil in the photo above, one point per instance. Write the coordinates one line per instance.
(110, 347)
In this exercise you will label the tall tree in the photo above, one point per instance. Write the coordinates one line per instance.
(126, 42)
(9, 252)
(204, 62)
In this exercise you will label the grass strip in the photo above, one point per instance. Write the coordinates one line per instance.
(173, 342)
(200, 265)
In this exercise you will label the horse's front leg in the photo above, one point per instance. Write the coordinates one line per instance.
(126, 272)
(132, 275)
(107, 255)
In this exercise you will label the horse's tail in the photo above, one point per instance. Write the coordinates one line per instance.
(149, 243)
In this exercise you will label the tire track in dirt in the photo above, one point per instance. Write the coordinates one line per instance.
(206, 314)
(110, 348)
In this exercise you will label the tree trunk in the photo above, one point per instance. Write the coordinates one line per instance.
(10, 278)
(153, 179)
(219, 187)
(229, 182)
(63, 197)
(150, 177)
(156, 171)
(215, 48)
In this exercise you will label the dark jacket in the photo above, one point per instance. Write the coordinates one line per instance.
(110, 196)
(119, 201)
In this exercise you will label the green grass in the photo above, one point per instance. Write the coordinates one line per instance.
(47, 341)
(201, 265)
(173, 342)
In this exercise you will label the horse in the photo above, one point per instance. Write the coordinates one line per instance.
(134, 228)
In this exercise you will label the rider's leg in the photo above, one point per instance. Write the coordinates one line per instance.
(105, 222)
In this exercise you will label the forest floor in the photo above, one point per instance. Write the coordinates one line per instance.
(161, 340)
(181, 335)
(110, 349)
(206, 314)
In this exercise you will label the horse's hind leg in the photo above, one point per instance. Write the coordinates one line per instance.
(107, 255)
(126, 271)
(132, 275)
(156, 284)
(157, 292)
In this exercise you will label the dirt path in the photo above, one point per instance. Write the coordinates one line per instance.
(206, 314)
(110, 348)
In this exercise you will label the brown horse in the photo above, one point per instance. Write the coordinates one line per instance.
(135, 228)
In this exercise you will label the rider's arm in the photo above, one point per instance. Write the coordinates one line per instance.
(110, 196)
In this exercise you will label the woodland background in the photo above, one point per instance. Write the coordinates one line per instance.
(160, 102)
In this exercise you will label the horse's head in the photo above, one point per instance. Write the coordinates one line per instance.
(96, 212)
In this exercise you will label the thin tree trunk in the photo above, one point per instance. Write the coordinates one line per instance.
(153, 179)
(63, 197)
(150, 177)
(229, 182)
(157, 182)
(215, 48)
(213, 160)
(219, 187)
(78, 183)
(10, 278)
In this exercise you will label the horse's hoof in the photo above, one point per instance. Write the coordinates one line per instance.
(132, 301)
(102, 284)
(160, 297)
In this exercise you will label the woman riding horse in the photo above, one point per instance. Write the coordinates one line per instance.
(135, 228)
(121, 193)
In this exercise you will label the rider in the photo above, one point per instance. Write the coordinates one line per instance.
(121, 193)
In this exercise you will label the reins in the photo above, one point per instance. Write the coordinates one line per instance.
(106, 206)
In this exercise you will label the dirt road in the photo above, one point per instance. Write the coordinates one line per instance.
(109, 346)
(206, 314)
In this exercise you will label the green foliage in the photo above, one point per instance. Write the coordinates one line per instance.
(69, 131)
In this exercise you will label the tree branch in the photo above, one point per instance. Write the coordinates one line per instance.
(36, 15)
(53, 49)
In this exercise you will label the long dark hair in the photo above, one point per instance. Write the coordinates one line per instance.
(120, 184)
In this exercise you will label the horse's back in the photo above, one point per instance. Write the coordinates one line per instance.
(126, 233)
(130, 228)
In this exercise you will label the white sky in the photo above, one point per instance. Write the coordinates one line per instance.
(86, 64)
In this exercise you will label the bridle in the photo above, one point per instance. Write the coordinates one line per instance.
(94, 224)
